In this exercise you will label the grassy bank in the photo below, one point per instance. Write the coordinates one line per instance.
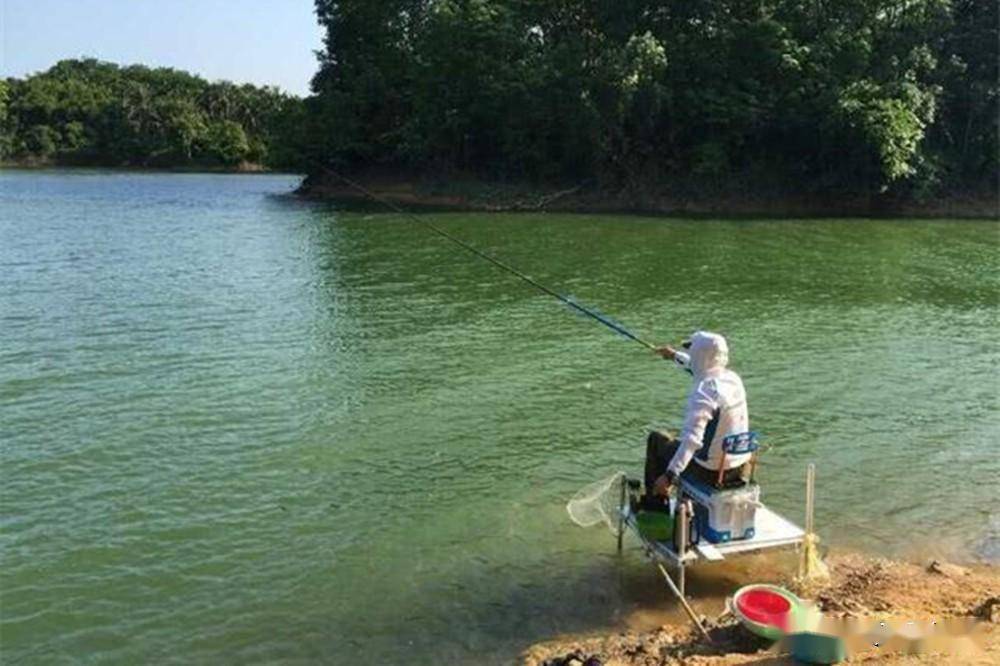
(671, 199)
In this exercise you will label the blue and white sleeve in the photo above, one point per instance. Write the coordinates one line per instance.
(682, 360)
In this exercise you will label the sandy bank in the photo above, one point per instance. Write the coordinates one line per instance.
(859, 587)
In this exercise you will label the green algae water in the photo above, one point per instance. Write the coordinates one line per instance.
(239, 428)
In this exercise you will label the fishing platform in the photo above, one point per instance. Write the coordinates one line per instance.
(686, 547)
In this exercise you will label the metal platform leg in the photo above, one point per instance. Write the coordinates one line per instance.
(684, 604)
(682, 544)
(621, 511)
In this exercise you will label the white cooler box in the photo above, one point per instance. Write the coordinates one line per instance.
(721, 515)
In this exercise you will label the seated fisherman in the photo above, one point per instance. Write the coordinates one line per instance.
(716, 407)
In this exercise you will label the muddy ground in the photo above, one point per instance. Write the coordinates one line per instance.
(859, 587)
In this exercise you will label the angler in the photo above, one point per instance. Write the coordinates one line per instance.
(716, 409)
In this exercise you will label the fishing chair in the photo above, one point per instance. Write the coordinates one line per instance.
(722, 509)
(744, 442)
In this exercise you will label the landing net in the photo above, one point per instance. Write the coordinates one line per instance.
(598, 502)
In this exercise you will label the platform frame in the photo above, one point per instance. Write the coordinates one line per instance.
(772, 531)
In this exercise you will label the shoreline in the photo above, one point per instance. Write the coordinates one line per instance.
(861, 586)
(244, 169)
(463, 195)
(482, 196)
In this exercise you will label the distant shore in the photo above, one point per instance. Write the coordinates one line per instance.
(475, 195)
(482, 196)
(242, 168)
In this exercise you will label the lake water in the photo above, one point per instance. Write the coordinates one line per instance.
(237, 427)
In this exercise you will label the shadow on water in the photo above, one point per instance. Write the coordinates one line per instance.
(610, 593)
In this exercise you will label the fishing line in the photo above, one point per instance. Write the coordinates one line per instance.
(613, 325)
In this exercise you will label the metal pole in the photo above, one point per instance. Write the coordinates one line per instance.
(673, 587)
(682, 516)
(809, 563)
(684, 603)
(810, 496)
(621, 512)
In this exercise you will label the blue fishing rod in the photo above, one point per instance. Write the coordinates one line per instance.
(567, 300)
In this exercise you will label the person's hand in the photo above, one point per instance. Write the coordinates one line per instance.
(661, 487)
(667, 352)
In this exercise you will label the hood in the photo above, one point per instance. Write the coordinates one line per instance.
(708, 351)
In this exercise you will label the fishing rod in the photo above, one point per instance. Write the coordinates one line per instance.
(567, 300)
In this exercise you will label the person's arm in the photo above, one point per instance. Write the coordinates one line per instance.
(701, 406)
(681, 359)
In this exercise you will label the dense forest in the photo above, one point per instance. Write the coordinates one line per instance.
(868, 96)
(703, 96)
(88, 112)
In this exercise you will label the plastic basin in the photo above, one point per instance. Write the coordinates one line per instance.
(765, 606)
(757, 609)
(813, 648)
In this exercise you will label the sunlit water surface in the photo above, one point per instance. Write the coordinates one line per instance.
(236, 427)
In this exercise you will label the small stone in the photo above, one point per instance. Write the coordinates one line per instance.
(989, 610)
(946, 569)
(574, 662)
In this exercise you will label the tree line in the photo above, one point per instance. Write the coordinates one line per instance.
(89, 112)
(862, 96)
(814, 95)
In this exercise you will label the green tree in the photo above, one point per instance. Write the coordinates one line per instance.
(7, 129)
(888, 127)
(227, 142)
(42, 140)
(863, 95)
(92, 112)
(181, 126)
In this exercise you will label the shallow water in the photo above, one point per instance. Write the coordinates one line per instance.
(237, 427)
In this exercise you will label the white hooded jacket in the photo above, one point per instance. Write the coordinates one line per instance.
(716, 405)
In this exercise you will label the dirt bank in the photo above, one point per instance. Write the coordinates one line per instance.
(457, 194)
(859, 587)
